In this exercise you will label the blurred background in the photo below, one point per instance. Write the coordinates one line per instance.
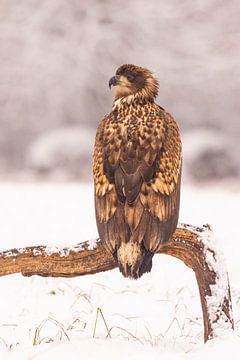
(57, 56)
(56, 59)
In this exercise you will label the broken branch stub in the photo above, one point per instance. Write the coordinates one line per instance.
(194, 246)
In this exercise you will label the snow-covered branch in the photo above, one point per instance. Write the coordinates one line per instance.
(193, 245)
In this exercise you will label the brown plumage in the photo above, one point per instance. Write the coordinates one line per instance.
(137, 172)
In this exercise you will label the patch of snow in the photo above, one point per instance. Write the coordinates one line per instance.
(92, 244)
(9, 254)
(37, 252)
(22, 251)
(76, 248)
(219, 290)
(158, 316)
(63, 251)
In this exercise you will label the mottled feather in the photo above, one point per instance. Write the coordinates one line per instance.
(137, 173)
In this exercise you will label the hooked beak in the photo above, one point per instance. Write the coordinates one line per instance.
(113, 81)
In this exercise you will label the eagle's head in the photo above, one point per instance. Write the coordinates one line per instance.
(134, 81)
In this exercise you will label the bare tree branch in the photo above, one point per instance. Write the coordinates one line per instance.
(194, 246)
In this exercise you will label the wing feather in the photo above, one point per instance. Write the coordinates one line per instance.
(137, 172)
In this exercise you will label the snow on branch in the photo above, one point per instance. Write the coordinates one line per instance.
(195, 246)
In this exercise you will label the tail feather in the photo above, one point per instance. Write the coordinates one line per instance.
(133, 259)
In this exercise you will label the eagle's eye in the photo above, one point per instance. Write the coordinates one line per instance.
(130, 77)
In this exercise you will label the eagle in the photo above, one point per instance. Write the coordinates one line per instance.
(137, 165)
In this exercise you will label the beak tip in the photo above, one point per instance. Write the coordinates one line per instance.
(112, 82)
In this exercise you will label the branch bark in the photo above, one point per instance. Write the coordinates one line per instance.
(194, 246)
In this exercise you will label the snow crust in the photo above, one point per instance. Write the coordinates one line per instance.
(219, 290)
(50, 250)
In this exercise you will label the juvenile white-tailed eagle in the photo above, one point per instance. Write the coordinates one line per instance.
(137, 172)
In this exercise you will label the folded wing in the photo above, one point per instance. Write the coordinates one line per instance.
(137, 173)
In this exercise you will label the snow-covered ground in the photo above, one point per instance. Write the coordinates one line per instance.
(158, 316)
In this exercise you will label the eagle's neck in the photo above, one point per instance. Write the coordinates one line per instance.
(131, 100)
(144, 95)
(127, 100)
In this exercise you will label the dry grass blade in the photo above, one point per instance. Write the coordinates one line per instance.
(37, 340)
(99, 311)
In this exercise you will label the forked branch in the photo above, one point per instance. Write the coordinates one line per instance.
(194, 246)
